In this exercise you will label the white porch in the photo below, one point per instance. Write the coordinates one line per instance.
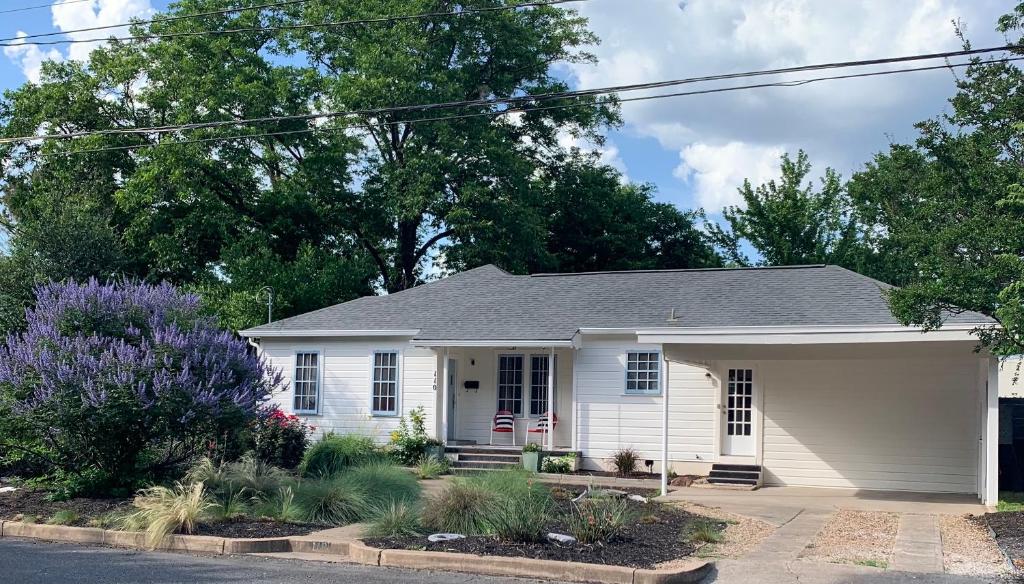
(481, 380)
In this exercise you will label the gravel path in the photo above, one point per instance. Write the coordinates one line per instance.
(742, 534)
(856, 537)
(968, 548)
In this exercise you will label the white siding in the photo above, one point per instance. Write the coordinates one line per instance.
(609, 419)
(345, 388)
(890, 424)
(475, 408)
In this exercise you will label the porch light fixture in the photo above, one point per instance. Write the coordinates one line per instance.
(650, 466)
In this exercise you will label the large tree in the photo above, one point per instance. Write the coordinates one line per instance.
(329, 208)
(950, 205)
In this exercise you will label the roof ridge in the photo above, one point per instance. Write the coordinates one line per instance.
(677, 270)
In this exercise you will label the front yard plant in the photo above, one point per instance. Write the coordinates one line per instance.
(334, 453)
(410, 441)
(114, 385)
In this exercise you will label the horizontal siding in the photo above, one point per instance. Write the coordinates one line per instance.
(894, 424)
(611, 420)
(345, 390)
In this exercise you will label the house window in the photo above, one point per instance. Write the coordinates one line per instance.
(306, 383)
(385, 384)
(539, 384)
(642, 373)
(510, 384)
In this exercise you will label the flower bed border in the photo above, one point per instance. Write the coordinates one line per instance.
(360, 553)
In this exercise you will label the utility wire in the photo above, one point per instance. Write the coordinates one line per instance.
(358, 125)
(161, 19)
(38, 6)
(19, 41)
(509, 102)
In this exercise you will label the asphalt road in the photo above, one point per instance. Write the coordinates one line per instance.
(30, 562)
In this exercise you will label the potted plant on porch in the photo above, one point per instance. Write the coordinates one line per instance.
(531, 457)
(434, 449)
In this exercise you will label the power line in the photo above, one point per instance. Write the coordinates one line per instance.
(18, 41)
(794, 83)
(38, 6)
(160, 19)
(507, 102)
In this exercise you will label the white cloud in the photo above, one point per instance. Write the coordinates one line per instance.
(70, 16)
(715, 172)
(30, 58)
(843, 122)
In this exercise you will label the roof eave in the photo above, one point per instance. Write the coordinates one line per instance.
(257, 333)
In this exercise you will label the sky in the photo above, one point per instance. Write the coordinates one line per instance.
(697, 150)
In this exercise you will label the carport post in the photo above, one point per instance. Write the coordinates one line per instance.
(551, 400)
(664, 423)
(991, 434)
(444, 396)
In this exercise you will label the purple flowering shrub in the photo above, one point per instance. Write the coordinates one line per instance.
(114, 384)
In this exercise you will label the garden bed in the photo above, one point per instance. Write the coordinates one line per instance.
(657, 534)
(255, 528)
(1008, 527)
(35, 504)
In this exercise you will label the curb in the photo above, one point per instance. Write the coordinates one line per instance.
(522, 567)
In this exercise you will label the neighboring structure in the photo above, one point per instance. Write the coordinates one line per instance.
(1011, 424)
(801, 371)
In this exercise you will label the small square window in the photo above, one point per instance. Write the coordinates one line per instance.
(643, 373)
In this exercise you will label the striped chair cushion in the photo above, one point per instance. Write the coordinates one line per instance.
(542, 423)
(504, 421)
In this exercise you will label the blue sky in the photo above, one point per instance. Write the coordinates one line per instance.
(697, 150)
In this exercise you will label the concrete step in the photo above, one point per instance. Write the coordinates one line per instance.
(737, 467)
(750, 482)
(510, 451)
(476, 464)
(734, 474)
(508, 458)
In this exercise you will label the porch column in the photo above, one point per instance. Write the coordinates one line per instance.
(444, 396)
(663, 378)
(551, 399)
(990, 436)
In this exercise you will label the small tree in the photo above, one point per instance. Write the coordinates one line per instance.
(112, 384)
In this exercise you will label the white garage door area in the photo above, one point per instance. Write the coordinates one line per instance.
(887, 424)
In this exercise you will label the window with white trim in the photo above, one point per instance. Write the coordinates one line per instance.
(539, 384)
(510, 384)
(385, 384)
(643, 372)
(306, 383)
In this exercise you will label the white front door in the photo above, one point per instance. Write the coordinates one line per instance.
(738, 413)
(453, 390)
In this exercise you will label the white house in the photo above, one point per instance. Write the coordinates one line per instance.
(800, 374)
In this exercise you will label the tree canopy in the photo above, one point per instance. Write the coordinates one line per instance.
(322, 209)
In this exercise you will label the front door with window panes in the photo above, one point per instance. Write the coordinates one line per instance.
(738, 413)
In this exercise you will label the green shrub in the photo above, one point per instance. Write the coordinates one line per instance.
(559, 464)
(624, 460)
(381, 482)
(64, 517)
(531, 447)
(279, 439)
(281, 507)
(228, 505)
(395, 519)
(598, 519)
(520, 518)
(432, 468)
(333, 454)
(331, 502)
(516, 482)
(461, 507)
(409, 442)
(162, 511)
(254, 476)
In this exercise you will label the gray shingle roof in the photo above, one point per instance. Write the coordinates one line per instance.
(489, 303)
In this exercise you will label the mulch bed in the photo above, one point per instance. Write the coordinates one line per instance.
(251, 528)
(654, 538)
(34, 503)
(1009, 529)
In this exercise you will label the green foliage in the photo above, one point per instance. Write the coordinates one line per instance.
(383, 482)
(431, 468)
(1010, 501)
(559, 464)
(461, 507)
(162, 511)
(520, 516)
(394, 519)
(334, 453)
(624, 460)
(531, 447)
(332, 502)
(704, 531)
(789, 222)
(409, 442)
(64, 517)
(279, 439)
(281, 507)
(598, 519)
